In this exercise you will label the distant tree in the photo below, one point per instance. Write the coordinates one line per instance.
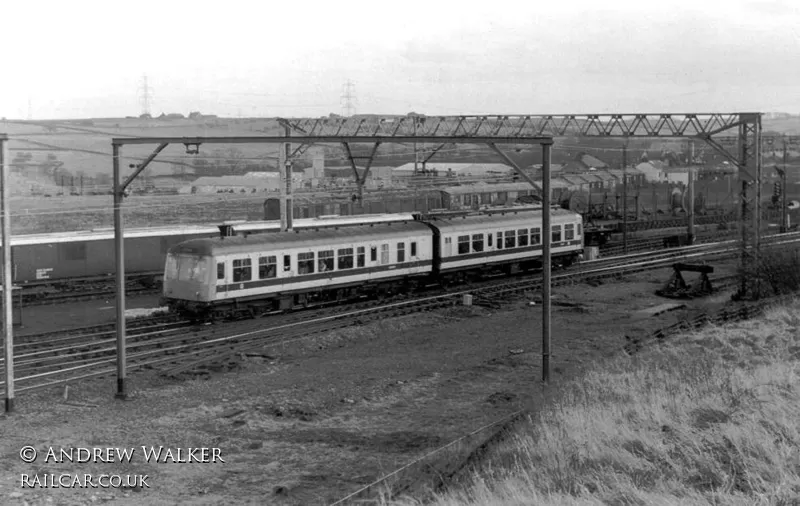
(50, 165)
(103, 180)
(202, 167)
(230, 161)
(61, 176)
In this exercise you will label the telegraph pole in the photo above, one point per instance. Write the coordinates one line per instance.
(285, 170)
(119, 252)
(624, 198)
(8, 282)
(289, 184)
(690, 231)
(546, 263)
(784, 190)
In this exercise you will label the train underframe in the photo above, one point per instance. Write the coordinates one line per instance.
(256, 306)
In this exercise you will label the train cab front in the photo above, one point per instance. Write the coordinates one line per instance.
(188, 282)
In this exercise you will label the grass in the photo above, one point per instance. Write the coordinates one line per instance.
(708, 418)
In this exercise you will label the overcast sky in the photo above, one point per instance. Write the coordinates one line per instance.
(80, 58)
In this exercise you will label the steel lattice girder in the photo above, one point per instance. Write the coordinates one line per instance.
(595, 125)
(470, 128)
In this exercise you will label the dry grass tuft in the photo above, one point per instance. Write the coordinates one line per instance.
(709, 418)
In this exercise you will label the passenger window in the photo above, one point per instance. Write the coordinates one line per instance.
(477, 243)
(511, 239)
(499, 240)
(413, 249)
(267, 267)
(569, 232)
(325, 261)
(242, 270)
(305, 263)
(556, 235)
(522, 235)
(536, 236)
(580, 229)
(463, 244)
(373, 254)
(287, 263)
(384, 254)
(345, 256)
(360, 256)
(401, 252)
(220, 270)
(489, 240)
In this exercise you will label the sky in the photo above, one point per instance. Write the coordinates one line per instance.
(84, 58)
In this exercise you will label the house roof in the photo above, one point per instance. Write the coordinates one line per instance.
(472, 168)
(647, 166)
(262, 174)
(591, 161)
(632, 171)
(592, 177)
(574, 178)
(604, 175)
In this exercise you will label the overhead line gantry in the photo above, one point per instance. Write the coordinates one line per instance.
(344, 138)
(745, 153)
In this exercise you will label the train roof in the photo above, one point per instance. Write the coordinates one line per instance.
(243, 226)
(307, 238)
(106, 234)
(510, 218)
(320, 221)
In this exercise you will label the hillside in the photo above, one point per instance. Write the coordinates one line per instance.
(711, 417)
(83, 147)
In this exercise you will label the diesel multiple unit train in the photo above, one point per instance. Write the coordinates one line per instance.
(250, 275)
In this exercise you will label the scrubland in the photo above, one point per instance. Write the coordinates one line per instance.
(711, 417)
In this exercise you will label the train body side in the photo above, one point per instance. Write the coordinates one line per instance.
(470, 242)
(280, 270)
(280, 265)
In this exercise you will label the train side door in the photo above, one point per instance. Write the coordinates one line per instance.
(384, 254)
(222, 277)
(448, 246)
(287, 267)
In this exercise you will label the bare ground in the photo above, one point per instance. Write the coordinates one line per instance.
(309, 422)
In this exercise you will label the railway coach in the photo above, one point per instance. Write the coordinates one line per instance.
(245, 276)
(508, 242)
(250, 274)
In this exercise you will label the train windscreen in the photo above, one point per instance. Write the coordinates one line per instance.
(186, 268)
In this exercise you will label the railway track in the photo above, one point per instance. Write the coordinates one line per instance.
(99, 288)
(57, 359)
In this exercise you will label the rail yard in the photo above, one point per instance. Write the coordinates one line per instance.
(427, 306)
(236, 300)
